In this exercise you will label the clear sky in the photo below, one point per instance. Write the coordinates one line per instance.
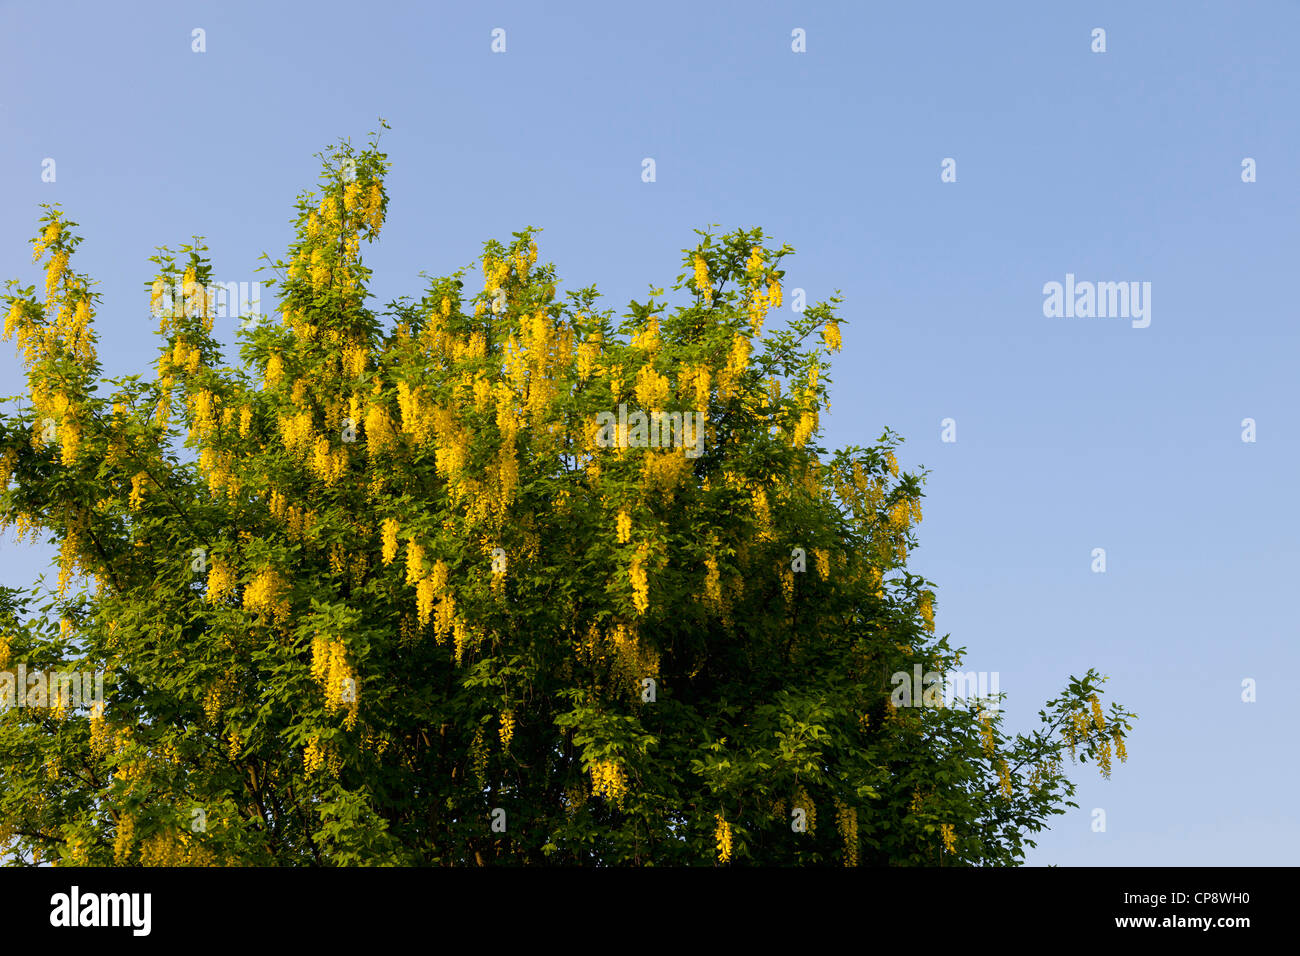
(1072, 433)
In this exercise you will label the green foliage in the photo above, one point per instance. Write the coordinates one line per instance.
(395, 573)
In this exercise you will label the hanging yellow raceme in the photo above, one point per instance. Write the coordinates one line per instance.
(702, 284)
(722, 838)
(640, 579)
(608, 780)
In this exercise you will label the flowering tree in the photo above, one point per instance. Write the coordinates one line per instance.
(491, 577)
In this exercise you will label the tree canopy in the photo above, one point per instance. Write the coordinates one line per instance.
(494, 576)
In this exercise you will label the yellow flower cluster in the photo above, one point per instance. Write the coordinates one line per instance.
(274, 371)
(507, 729)
(101, 734)
(986, 732)
(47, 239)
(354, 360)
(182, 357)
(624, 527)
(823, 559)
(608, 781)
(330, 669)
(414, 561)
(713, 583)
(1098, 720)
(722, 837)
(380, 433)
(949, 837)
(648, 338)
(699, 380)
(69, 441)
(495, 272)
(204, 412)
(212, 701)
(221, 582)
(738, 359)
(663, 470)
(298, 434)
(702, 284)
(320, 269)
(430, 588)
(926, 608)
(265, 595)
(351, 194)
(388, 532)
(418, 416)
(651, 388)
(762, 514)
(846, 819)
(805, 428)
(329, 463)
(831, 336)
(313, 757)
(1076, 732)
(124, 839)
(640, 579)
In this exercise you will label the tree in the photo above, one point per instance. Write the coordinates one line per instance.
(462, 583)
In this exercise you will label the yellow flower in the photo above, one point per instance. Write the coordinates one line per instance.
(847, 822)
(389, 531)
(986, 731)
(712, 582)
(313, 757)
(949, 837)
(330, 669)
(722, 836)
(221, 581)
(608, 781)
(588, 352)
(831, 336)
(274, 371)
(265, 595)
(414, 561)
(804, 429)
(424, 595)
(137, 490)
(926, 608)
(624, 527)
(701, 385)
(651, 388)
(738, 359)
(640, 580)
(374, 213)
(14, 319)
(702, 284)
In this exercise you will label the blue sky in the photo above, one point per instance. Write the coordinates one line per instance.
(1072, 434)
